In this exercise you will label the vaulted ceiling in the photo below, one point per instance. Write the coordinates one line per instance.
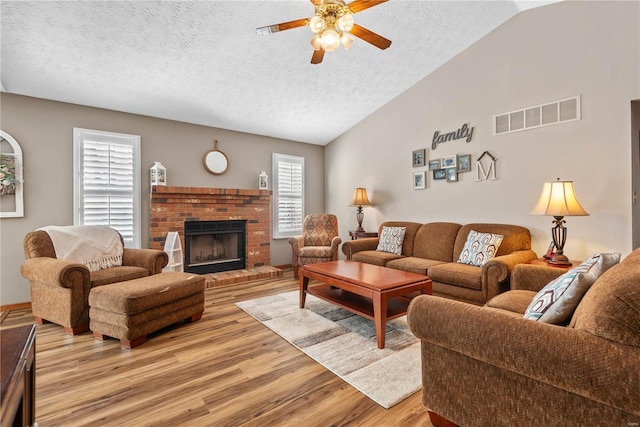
(202, 62)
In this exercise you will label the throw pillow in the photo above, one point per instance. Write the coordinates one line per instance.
(479, 248)
(556, 302)
(391, 240)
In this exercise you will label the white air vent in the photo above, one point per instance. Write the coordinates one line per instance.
(552, 113)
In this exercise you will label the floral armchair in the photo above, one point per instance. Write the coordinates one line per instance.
(319, 241)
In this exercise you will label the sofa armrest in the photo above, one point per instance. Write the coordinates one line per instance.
(352, 246)
(152, 259)
(562, 357)
(530, 277)
(497, 270)
(335, 242)
(335, 246)
(296, 243)
(55, 272)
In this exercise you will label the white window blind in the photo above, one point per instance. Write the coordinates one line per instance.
(288, 195)
(107, 181)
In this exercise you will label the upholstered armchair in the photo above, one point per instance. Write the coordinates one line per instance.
(319, 241)
(60, 287)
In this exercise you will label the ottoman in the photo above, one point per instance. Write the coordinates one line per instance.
(132, 309)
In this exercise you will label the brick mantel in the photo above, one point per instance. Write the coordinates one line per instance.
(172, 206)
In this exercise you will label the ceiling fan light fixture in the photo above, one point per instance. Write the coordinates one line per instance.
(316, 24)
(330, 40)
(315, 42)
(333, 25)
(346, 40)
(345, 22)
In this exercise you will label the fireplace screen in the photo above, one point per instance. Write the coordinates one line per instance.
(213, 246)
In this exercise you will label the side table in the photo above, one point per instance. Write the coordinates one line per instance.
(543, 261)
(18, 347)
(355, 235)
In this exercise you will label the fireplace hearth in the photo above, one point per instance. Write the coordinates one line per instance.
(171, 207)
(213, 246)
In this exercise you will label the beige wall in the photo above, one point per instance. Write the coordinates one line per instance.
(590, 49)
(44, 130)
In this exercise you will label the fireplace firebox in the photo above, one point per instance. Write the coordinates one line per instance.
(213, 246)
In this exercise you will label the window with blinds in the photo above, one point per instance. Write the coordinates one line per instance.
(288, 195)
(107, 181)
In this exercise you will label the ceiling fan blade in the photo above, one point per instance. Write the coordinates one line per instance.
(281, 27)
(316, 2)
(317, 56)
(370, 37)
(360, 5)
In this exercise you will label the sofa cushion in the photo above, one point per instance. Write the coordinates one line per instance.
(610, 309)
(435, 241)
(412, 264)
(315, 252)
(480, 248)
(454, 273)
(391, 240)
(374, 257)
(123, 273)
(556, 302)
(515, 301)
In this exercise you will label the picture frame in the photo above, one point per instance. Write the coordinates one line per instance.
(435, 164)
(452, 174)
(440, 174)
(449, 161)
(418, 158)
(419, 180)
(464, 163)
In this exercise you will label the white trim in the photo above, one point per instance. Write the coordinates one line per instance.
(277, 196)
(79, 137)
(19, 193)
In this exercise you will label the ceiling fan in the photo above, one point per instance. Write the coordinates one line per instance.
(333, 25)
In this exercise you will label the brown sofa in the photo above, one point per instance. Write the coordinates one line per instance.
(434, 248)
(60, 288)
(490, 366)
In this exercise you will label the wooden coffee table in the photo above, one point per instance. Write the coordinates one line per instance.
(368, 290)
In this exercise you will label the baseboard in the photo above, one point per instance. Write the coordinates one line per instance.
(282, 267)
(17, 306)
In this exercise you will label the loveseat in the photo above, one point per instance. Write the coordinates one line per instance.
(434, 248)
(60, 287)
(492, 366)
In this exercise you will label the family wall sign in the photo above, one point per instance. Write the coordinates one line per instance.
(464, 131)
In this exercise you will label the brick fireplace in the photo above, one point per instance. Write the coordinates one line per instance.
(172, 206)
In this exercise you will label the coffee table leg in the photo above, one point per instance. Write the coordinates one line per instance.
(380, 316)
(304, 284)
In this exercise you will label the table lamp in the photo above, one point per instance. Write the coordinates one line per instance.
(360, 199)
(558, 199)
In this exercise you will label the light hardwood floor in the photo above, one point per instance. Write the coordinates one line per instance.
(226, 369)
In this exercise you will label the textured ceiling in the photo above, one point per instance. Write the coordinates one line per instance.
(202, 61)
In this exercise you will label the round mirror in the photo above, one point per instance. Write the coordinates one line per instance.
(215, 161)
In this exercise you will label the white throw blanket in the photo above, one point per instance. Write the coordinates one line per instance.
(95, 246)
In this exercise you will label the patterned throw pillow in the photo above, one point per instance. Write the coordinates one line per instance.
(391, 240)
(556, 302)
(479, 248)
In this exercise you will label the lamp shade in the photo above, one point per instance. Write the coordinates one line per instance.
(360, 197)
(558, 199)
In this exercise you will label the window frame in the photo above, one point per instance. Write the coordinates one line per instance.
(277, 195)
(80, 137)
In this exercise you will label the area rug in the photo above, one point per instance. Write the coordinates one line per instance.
(346, 344)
